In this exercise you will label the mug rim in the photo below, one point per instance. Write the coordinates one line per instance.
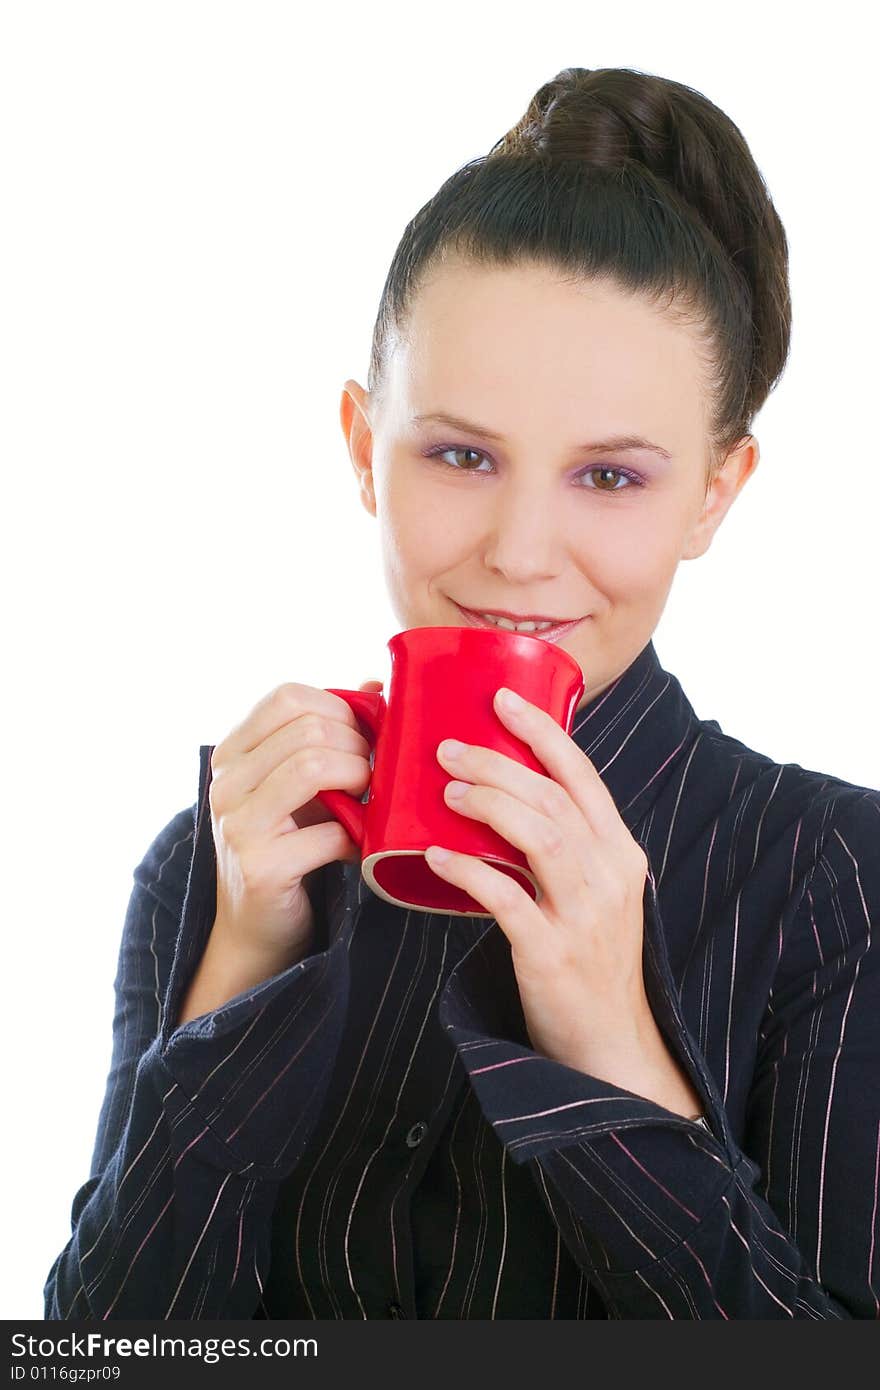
(481, 634)
(369, 877)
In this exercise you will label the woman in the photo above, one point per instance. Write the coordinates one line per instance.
(654, 1093)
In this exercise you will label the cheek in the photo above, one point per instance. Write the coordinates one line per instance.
(629, 554)
(418, 536)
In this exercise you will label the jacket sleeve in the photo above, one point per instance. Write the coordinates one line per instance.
(670, 1221)
(199, 1123)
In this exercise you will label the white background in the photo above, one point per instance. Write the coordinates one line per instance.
(200, 205)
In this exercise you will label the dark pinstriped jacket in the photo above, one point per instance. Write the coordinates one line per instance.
(369, 1134)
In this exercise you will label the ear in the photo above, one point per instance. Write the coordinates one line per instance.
(724, 488)
(355, 421)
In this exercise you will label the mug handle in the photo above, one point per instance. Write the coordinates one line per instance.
(368, 707)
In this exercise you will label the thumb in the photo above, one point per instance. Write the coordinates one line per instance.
(371, 685)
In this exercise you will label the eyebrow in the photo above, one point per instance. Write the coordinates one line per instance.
(618, 443)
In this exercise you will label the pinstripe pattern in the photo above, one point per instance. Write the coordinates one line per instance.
(254, 1163)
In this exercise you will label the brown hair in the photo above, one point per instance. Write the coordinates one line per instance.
(621, 175)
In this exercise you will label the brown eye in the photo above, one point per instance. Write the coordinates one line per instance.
(605, 473)
(630, 480)
(473, 452)
(440, 453)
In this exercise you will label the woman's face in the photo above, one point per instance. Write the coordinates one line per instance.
(543, 516)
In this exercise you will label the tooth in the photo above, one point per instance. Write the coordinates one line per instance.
(517, 627)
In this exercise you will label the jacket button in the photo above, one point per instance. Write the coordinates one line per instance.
(395, 1311)
(416, 1134)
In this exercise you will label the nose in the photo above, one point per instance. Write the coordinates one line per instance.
(526, 538)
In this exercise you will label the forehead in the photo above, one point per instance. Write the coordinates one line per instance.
(529, 341)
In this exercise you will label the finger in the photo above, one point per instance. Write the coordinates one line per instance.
(296, 781)
(487, 767)
(565, 762)
(240, 778)
(506, 900)
(310, 849)
(281, 706)
(554, 857)
(475, 763)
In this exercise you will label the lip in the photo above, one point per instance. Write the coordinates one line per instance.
(551, 634)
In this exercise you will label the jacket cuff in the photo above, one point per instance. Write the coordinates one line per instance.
(246, 1081)
(637, 1179)
(536, 1105)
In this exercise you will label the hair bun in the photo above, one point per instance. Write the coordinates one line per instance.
(614, 118)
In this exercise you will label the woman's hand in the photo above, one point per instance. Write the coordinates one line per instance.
(270, 832)
(578, 954)
(269, 829)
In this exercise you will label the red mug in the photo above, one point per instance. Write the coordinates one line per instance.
(443, 683)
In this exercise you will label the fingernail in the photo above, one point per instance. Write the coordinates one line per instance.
(451, 748)
(508, 699)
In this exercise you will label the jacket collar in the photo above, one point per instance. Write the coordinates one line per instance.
(635, 732)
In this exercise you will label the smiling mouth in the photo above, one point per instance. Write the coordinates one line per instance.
(548, 629)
